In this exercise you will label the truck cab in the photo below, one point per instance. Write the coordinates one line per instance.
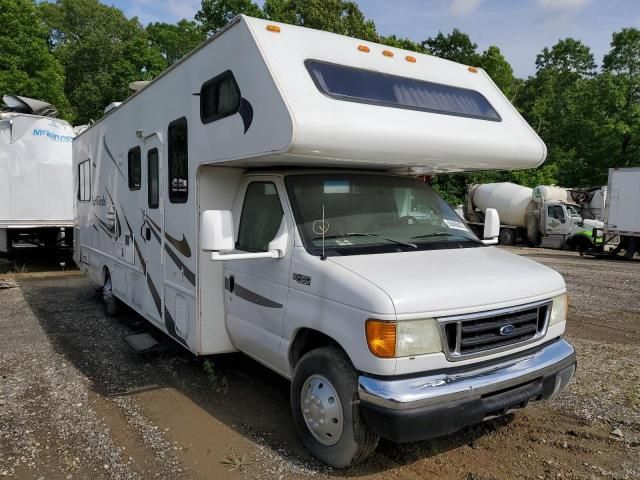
(391, 318)
(565, 227)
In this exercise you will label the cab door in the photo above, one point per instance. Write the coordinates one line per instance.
(557, 221)
(256, 290)
(152, 237)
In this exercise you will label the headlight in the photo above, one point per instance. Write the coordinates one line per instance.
(403, 339)
(559, 309)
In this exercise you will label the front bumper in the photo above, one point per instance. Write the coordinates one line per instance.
(419, 408)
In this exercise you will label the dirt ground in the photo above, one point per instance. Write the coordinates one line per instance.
(76, 402)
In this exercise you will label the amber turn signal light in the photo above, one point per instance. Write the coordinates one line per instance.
(364, 48)
(387, 53)
(273, 28)
(381, 338)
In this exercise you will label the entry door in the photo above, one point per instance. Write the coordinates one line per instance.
(256, 290)
(153, 228)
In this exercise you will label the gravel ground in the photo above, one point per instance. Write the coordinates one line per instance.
(75, 402)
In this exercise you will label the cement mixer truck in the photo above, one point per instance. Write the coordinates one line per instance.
(542, 216)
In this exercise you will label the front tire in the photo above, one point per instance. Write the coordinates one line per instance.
(325, 408)
(507, 236)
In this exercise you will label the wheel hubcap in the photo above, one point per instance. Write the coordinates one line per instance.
(322, 410)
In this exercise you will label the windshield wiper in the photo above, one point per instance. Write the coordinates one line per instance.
(358, 234)
(445, 234)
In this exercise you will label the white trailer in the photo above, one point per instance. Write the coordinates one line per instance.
(36, 190)
(250, 199)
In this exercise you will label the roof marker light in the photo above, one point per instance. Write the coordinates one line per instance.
(273, 28)
(473, 69)
(387, 53)
(410, 59)
(364, 48)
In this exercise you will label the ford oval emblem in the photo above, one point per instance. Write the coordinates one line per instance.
(507, 330)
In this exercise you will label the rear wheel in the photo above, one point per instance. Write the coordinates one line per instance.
(324, 403)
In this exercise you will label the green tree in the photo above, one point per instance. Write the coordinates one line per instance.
(497, 67)
(455, 46)
(623, 62)
(102, 52)
(568, 56)
(27, 67)
(174, 41)
(215, 14)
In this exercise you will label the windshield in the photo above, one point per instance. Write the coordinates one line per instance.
(573, 211)
(370, 213)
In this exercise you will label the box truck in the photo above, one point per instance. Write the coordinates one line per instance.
(36, 191)
(260, 196)
(621, 229)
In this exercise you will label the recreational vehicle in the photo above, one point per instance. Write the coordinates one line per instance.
(262, 196)
(36, 191)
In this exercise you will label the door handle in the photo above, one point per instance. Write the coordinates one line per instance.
(232, 283)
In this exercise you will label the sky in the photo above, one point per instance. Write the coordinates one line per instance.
(521, 28)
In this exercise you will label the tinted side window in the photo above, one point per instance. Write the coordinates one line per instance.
(84, 181)
(135, 168)
(153, 186)
(555, 211)
(261, 217)
(178, 161)
(367, 86)
(219, 97)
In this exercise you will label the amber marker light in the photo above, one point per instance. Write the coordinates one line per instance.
(387, 53)
(473, 69)
(381, 338)
(364, 48)
(410, 59)
(273, 28)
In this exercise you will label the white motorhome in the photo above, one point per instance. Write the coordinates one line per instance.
(36, 190)
(260, 196)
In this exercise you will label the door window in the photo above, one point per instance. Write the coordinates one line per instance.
(261, 217)
(556, 211)
(153, 189)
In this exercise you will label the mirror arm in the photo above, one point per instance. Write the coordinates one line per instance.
(217, 256)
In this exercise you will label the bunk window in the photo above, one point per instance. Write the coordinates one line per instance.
(135, 168)
(219, 97)
(84, 181)
(366, 86)
(153, 187)
(178, 161)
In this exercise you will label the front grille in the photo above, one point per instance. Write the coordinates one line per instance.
(488, 332)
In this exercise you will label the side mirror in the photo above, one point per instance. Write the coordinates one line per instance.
(216, 231)
(491, 226)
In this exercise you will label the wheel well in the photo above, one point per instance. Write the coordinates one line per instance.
(307, 339)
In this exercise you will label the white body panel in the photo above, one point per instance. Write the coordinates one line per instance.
(258, 306)
(35, 172)
(623, 214)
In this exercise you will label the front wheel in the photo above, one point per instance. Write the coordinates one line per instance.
(324, 403)
(111, 303)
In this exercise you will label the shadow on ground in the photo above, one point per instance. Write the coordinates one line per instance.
(234, 389)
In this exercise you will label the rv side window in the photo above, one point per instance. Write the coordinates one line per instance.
(219, 97)
(178, 161)
(366, 86)
(84, 181)
(261, 217)
(153, 188)
(135, 168)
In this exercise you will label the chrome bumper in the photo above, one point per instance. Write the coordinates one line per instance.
(409, 393)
